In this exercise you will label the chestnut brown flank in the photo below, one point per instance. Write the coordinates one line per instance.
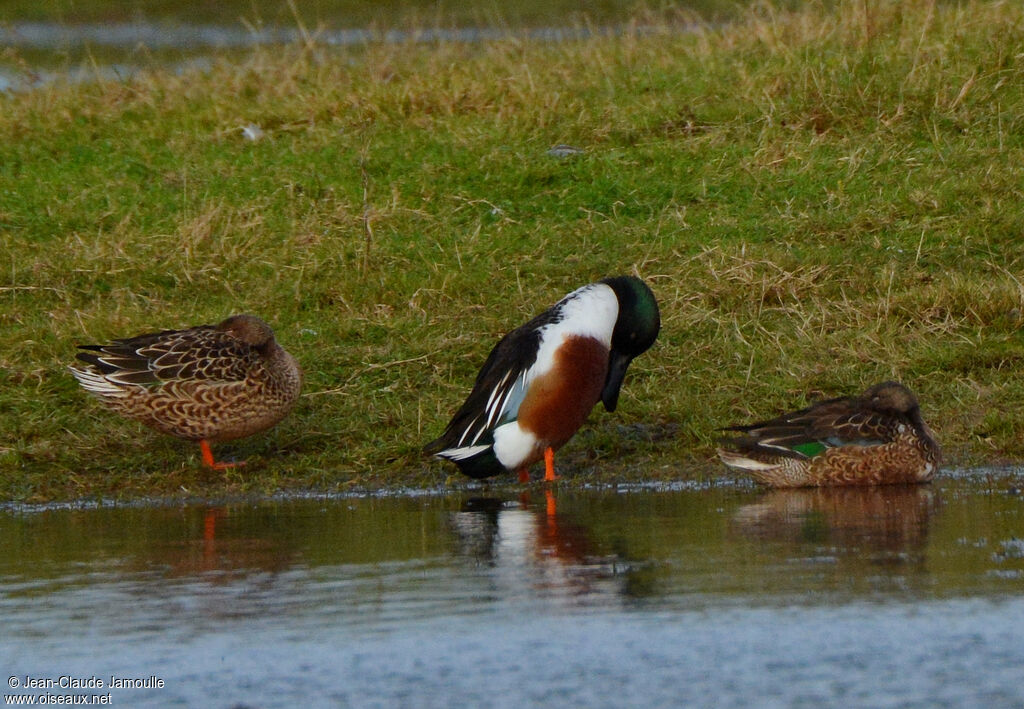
(557, 403)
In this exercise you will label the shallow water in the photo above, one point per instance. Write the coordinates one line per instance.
(641, 596)
(52, 42)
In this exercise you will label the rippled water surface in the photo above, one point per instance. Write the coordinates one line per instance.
(678, 596)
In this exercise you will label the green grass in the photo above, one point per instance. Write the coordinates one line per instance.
(820, 200)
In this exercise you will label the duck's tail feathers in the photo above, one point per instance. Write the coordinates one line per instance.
(94, 382)
(476, 461)
(738, 460)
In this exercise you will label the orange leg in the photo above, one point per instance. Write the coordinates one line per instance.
(204, 446)
(210, 536)
(549, 465)
(210, 525)
(524, 475)
(549, 498)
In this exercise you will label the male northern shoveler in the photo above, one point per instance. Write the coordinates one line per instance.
(876, 438)
(543, 378)
(209, 384)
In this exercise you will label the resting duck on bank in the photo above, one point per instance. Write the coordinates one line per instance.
(209, 384)
(876, 438)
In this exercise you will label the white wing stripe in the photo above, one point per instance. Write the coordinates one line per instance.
(461, 453)
(467, 431)
(496, 395)
(783, 449)
(495, 408)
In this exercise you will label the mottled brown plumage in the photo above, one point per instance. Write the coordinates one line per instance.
(209, 383)
(873, 439)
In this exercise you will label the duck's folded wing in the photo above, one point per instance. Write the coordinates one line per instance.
(497, 393)
(832, 423)
(202, 353)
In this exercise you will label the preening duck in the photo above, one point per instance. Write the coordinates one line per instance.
(541, 380)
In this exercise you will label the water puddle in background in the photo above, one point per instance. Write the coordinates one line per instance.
(125, 35)
(641, 596)
(197, 42)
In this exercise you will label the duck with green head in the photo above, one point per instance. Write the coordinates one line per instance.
(541, 380)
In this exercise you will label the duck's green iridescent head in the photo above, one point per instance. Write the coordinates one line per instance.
(635, 331)
(639, 319)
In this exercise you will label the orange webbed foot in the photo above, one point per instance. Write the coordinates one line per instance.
(220, 465)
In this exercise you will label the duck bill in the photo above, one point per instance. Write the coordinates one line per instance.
(617, 365)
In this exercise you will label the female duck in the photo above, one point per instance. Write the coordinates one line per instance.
(876, 438)
(209, 383)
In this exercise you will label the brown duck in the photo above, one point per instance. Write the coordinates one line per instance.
(209, 384)
(876, 438)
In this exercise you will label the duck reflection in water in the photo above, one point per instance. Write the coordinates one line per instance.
(883, 524)
(526, 543)
(219, 544)
(210, 517)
